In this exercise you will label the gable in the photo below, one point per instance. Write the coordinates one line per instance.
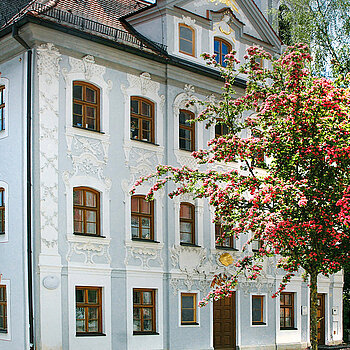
(242, 16)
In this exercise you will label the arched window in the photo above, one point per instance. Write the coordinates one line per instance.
(2, 107)
(186, 39)
(86, 106)
(141, 119)
(86, 207)
(187, 141)
(221, 48)
(142, 218)
(187, 223)
(2, 211)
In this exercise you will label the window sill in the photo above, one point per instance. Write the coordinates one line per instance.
(2, 233)
(81, 128)
(190, 245)
(145, 333)
(226, 248)
(190, 324)
(186, 150)
(144, 141)
(87, 235)
(90, 334)
(144, 240)
(3, 331)
(289, 329)
(258, 324)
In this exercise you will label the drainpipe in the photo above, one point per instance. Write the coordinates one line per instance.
(16, 36)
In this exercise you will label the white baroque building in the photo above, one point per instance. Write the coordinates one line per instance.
(92, 96)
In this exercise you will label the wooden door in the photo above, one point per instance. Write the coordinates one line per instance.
(225, 323)
(321, 319)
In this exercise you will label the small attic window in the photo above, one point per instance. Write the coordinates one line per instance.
(221, 48)
(186, 39)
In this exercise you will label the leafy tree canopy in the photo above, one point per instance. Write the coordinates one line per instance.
(324, 25)
(299, 207)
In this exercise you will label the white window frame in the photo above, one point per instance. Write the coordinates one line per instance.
(265, 310)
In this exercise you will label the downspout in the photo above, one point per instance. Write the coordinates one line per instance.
(16, 36)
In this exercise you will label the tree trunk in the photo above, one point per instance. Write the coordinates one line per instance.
(313, 310)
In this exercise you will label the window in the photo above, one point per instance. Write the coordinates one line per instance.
(227, 242)
(221, 130)
(287, 311)
(3, 309)
(2, 211)
(187, 223)
(86, 106)
(186, 131)
(142, 214)
(186, 39)
(258, 309)
(141, 119)
(144, 311)
(221, 48)
(188, 308)
(2, 107)
(86, 207)
(88, 312)
(256, 244)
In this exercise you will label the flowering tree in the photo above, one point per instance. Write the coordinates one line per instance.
(299, 206)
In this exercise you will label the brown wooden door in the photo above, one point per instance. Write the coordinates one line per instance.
(321, 319)
(225, 323)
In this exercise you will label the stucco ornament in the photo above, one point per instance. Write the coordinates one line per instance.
(144, 254)
(188, 21)
(90, 250)
(51, 282)
(187, 259)
(48, 61)
(48, 58)
(143, 82)
(86, 65)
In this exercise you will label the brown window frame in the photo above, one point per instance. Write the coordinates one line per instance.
(85, 208)
(141, 117)
(192, 221)
(3, 306)
(141, 215)
(221, 132)
(261, 321)
(85, 104)
(142, 306)
(194, 308)
(2, 107)
(218, 234)
(191, 128)
(86, 305)
(290, 307)
(2, 211)
(193, 42)
(220, 55)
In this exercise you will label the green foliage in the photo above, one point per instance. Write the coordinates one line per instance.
(322, 24)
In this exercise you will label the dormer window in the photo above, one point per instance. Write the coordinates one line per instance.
(221, 48)
(186, 39)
